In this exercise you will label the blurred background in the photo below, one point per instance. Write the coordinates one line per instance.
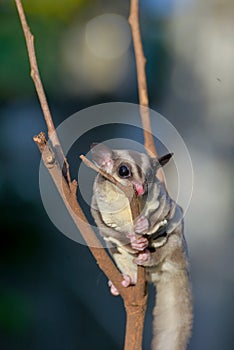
(52, 294)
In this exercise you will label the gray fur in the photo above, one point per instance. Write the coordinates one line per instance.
(167, 267)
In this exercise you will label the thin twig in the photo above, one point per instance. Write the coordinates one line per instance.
(35, 75)
(34, 69)
(128, 190)
(142, 83)
(109, 177)
(141, 76)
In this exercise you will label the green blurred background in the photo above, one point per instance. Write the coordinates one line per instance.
(52, 295)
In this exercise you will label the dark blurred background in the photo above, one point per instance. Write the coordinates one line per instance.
(52, 294)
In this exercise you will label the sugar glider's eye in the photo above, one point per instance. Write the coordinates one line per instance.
(124, 171)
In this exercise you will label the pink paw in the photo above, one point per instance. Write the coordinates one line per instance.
(142, 257)
(141, 225)
(138, 242)
(126, 283)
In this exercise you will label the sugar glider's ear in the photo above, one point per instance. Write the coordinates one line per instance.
(165, 159)
(160, 162)
(102, 156)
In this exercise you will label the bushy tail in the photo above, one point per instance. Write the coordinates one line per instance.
(173, 312)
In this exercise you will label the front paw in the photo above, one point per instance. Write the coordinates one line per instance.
(143, 258)
(138, 242)
(141, 225)
(125, 283)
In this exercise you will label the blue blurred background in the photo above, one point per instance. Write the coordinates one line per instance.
(52, 294)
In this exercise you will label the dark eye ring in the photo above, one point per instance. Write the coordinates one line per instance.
(149, 175)
(124, 171)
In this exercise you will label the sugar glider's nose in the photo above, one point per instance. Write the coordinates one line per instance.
(139, 188)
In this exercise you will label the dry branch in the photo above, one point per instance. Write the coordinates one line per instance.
(141, 76)
(142, 83)
(135, 297)
(66, 190)
(35, 75)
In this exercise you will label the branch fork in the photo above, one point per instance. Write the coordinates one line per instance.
(134, 297)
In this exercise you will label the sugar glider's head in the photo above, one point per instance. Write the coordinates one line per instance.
(128, 165)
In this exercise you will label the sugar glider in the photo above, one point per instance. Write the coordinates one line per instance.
(154, 240)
